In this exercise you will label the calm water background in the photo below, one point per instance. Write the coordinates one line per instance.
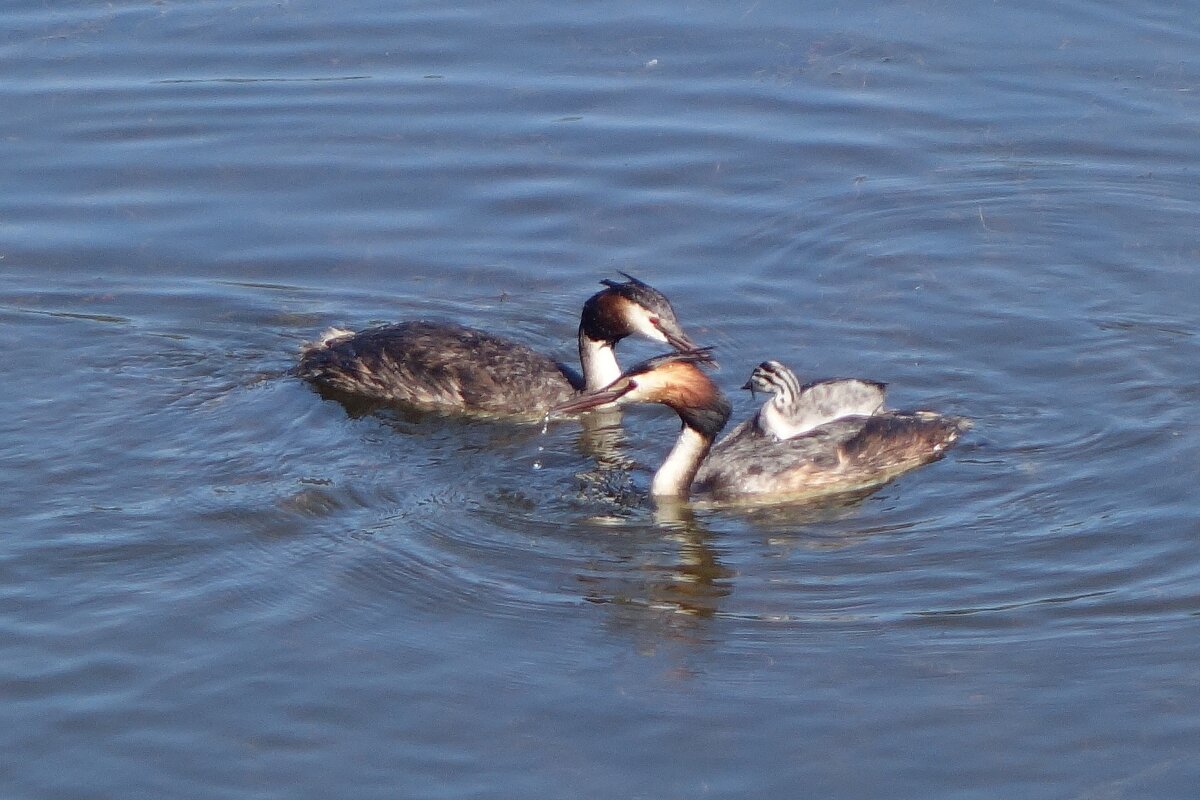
(215, 584)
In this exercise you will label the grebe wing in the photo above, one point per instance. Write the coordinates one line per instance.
(845, 455)
(898, 438)
(440, 364)
(840, 397)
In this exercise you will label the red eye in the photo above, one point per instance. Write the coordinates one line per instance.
(655, 321)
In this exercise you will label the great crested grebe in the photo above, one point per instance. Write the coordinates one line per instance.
(450, 367)
(794, 409)
(845, 455)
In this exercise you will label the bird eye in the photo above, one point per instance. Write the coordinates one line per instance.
(656, 322)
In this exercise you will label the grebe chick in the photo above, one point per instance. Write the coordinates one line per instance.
(794, 409)
(448, 367)
(845, 455)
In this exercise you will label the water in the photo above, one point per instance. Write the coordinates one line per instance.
(215, 584)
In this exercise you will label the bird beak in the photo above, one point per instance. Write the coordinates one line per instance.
(679, 340)
(703, 355)
(586, 402)
(750, 385)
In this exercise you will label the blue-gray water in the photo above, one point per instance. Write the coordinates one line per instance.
(214, 584)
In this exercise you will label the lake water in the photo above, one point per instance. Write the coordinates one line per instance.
(215, 584)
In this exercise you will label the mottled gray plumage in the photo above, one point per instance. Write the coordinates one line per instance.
(441, 365)
(449, 367)
(844, 455)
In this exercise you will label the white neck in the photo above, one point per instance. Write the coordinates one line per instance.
(775, 421)
(599, 362)
(674, 477)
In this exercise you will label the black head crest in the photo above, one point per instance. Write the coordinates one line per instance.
(629, 281)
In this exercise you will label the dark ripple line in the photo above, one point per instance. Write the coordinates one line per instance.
(962, 612)
(328, 79)
(113, 318)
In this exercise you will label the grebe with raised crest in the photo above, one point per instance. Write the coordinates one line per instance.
(845, 455)
(794, 409)
(449, 367)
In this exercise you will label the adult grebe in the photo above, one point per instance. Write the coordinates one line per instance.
(845, 455)
(450, 367)
(796, 409)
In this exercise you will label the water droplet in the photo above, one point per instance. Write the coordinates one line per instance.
(537, 464)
